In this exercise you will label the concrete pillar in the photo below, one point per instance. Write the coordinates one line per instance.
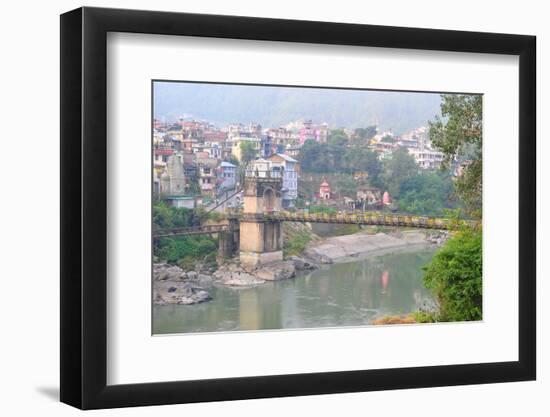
(226, 246)
(260, 238)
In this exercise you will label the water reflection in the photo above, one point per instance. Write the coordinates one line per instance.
(347, 294)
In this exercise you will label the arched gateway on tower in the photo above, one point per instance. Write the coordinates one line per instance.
(261, 238)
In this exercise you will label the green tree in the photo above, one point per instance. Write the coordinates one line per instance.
(313, 157)
(174, 249)
(458, 134)
(335, 150)
(361, 159)
(168, 217)
(426, 193)
(398, 168)
(337, 137)
(454, 276)
(365, 133)
(248, 152)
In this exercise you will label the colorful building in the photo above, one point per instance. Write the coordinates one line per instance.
(236, 145)
(227, 176)
(324, 191)
(289, 168)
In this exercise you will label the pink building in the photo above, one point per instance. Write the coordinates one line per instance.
(318, 133)
(324, 191)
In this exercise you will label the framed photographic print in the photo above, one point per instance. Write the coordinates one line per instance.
(257, 207)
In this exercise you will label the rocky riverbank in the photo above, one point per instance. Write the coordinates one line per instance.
(173, 285)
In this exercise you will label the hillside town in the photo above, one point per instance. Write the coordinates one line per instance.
(199, 164)
(298, 220)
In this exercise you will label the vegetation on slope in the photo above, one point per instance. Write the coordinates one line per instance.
(181, 250)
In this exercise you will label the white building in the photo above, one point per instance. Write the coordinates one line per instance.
(290, 168)
(427, 158)
(227, 176)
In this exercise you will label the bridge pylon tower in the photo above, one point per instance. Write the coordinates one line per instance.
(261, 238)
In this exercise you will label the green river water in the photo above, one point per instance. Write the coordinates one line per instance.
(343, 294)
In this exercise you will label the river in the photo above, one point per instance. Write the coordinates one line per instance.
(343, 294)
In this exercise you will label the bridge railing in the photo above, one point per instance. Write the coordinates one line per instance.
(359, 218)
(373, 218)
(192, 230)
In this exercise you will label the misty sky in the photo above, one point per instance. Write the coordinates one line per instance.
(274, 106)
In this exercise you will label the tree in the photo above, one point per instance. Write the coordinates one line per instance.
(454, 276)
(337, 137)
(168, 217)
(248, 152)
(365, 133)
(425, 193)
(313, 157)
(398, 168)
(173, 249)
(361, 159)
(459, 136)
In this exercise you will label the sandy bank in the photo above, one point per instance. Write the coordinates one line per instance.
(345, 248)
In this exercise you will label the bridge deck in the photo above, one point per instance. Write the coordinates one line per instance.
(194, 230)
(359, 218)
(369, 218)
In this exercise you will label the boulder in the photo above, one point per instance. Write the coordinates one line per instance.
(240, 279)
(166, 272)
(276, 271)
(177, 292)
(302, 264)
(205, 281)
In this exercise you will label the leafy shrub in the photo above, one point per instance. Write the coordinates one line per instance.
(185, 248)
(180, 249)
(424, 317)
(296, 244)
(454, 276)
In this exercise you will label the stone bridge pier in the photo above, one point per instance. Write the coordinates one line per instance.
(261, 239)
(228, 241)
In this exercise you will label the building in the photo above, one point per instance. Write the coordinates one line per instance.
(227, 176)
(290, 171)
(238, 140)
(427, 158)
(292, 150)
(386, 199)
(309, 131)
(214, 149)
(187, 144)
(368, 196)
(261, 168)
(324, 191)
(172, 180)
(207, 175)
(181, 201)
(383, 149)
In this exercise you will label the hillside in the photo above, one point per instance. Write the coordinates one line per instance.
(275, 106)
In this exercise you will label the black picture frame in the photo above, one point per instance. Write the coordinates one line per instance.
(84, 207)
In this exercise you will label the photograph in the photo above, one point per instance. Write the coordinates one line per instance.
(269, 209)
(278, 207)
